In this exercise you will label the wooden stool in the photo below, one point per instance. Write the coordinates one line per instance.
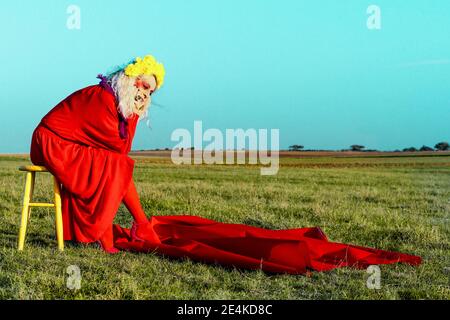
(28, 204)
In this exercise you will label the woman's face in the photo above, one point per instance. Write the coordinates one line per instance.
(146, 86)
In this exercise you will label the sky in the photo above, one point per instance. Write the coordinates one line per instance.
(312, 69)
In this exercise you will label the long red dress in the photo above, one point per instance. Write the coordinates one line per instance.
(81, 144)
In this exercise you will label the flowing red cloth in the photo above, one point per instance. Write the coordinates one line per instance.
(79, 141)
(293, 251)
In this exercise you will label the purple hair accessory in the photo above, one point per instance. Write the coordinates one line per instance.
(104, 83)
(123, 123)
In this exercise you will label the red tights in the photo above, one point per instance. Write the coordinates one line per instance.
(133, 204)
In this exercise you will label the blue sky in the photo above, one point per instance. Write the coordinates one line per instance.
(311, 69)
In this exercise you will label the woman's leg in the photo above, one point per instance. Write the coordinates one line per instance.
(107, 241)
(133, 204)
(131, 201)
(142, 228)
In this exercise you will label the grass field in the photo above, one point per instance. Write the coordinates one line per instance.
(392, 203)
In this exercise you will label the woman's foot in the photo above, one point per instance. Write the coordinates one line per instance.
(111, 250)
(144, 232)
(107, 242)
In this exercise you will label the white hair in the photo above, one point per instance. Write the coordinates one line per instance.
(126, 91)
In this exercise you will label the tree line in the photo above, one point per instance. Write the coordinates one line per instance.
(440, 146)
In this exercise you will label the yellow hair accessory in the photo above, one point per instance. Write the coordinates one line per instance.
(146, 66)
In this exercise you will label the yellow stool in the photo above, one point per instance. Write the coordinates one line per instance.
(28, 204)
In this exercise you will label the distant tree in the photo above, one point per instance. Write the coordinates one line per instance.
(295, 147)
(410, 149)
(356, 147)
(442, 146)
(166, 149)
(425, 148)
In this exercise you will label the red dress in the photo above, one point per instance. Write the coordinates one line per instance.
(80, 144)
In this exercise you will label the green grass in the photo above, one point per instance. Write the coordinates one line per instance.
(400, 204)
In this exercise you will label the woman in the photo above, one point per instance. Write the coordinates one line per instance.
(84, 142)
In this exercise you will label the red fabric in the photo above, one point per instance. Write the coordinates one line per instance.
(293, 251)
(79, 142)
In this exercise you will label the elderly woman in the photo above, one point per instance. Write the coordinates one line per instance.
(84, 142)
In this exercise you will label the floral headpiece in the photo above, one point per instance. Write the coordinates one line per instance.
(146, 66)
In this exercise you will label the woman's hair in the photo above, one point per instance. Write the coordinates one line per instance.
(125, 90)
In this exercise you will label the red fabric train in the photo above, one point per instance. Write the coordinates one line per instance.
(80, 144)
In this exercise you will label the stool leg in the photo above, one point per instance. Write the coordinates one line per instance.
(25, 208)
(58, 213)
(33, 178)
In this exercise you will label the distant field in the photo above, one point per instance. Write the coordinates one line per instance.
(314, 154)
(395, 202)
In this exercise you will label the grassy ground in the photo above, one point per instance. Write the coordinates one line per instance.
(389, 203)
